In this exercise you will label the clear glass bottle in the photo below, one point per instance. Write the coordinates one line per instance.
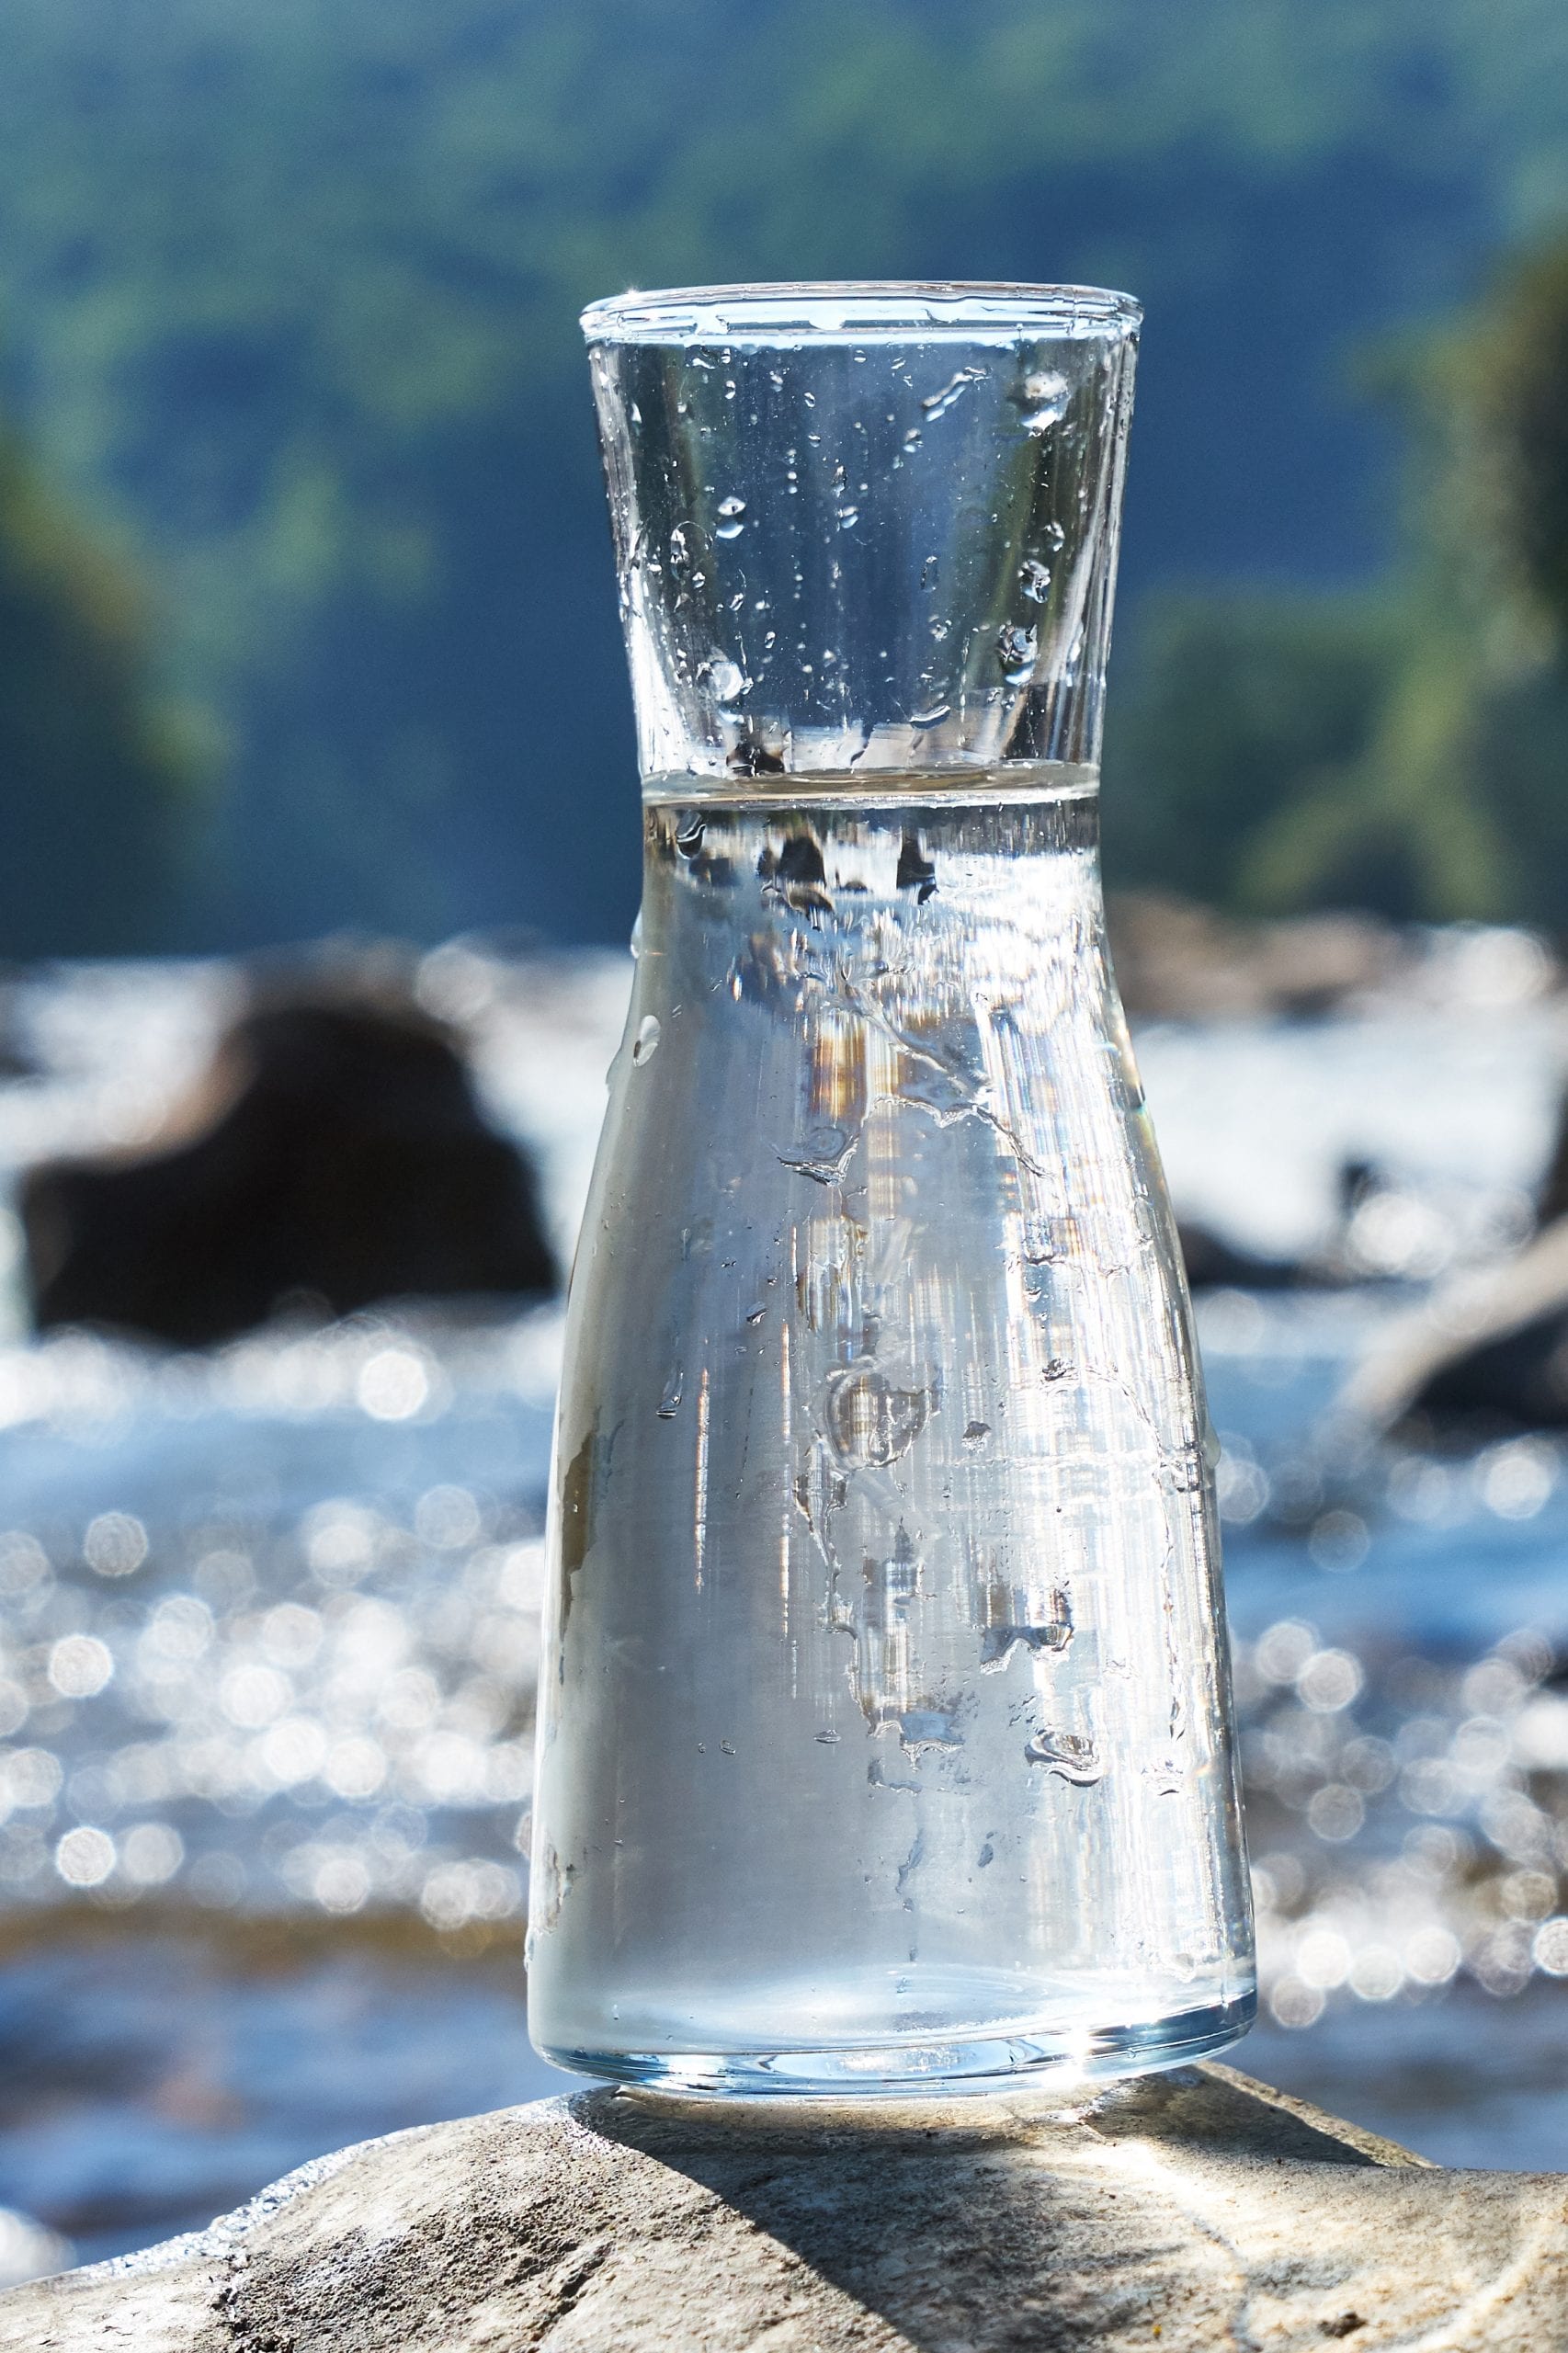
(885, 1731)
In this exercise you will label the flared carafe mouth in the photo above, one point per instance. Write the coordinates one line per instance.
(873, 310)
(865, 526)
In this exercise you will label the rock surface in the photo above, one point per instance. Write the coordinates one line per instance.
(1188, 2212)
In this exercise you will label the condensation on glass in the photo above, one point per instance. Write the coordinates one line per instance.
(885, 1737)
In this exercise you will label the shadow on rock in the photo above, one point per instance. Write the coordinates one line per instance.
(882, 2204)
(332, 1156)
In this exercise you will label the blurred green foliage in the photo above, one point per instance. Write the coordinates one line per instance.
(1236, 711)
(96, 796)
(289, 299)
(1408, 754)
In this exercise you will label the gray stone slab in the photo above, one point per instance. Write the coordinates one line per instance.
(1182, 2213)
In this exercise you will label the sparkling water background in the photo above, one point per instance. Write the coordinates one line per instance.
(269, 1624)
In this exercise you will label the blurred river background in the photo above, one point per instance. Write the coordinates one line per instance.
(308, 630)
(271, 1614)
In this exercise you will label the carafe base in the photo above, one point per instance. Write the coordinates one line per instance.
(1048, 2055)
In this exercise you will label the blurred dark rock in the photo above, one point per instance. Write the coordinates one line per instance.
(1177, 960)
(1485, 1354)
(1214, 1264)
(1518, 1382)
(1552, 1200)
(334, 1155)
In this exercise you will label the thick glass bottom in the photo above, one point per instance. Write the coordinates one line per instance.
(945, 2066)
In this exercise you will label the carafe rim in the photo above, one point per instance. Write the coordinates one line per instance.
(827, 309)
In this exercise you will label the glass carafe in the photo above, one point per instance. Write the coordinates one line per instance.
(885, 1733)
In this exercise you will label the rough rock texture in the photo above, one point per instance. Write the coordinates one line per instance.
(1187, 2211)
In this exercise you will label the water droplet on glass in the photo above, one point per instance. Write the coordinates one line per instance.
(986, 1854)
(937, 403)
(1054, 537)
(1016, 650)
(730, 523)
(911, 439)
(1068, 1753)
(1183, 1471)
(1016, 1618)
(725, 679)
(829, 1739)
(1042, 400)
(869, 1419)
(669, 1403)
(1034, 578)
(822, 1153)
(976, 1433)
(645, 1045)
(928, 1728)
(756, 1314)
(848, 518)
